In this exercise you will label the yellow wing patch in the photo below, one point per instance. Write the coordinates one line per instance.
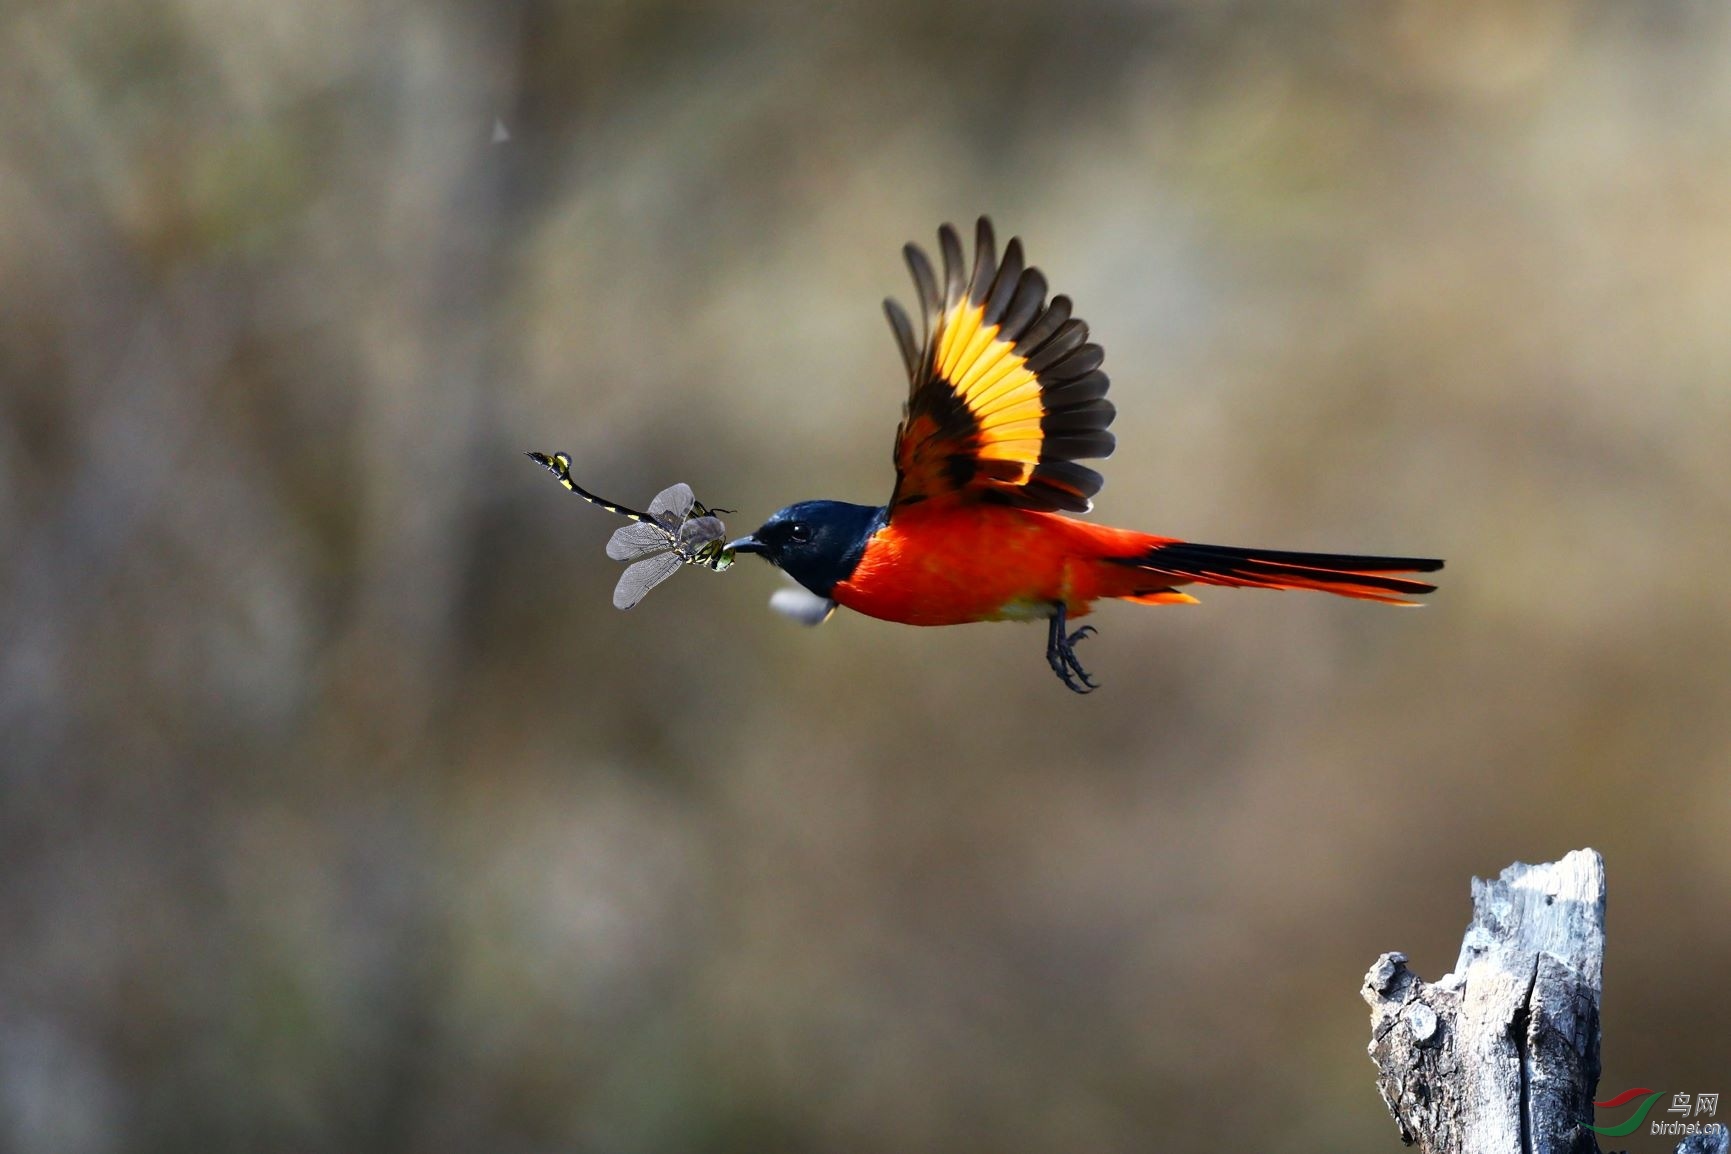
(1006, 393)
(997, 388)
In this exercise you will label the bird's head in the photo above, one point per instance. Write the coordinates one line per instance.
(817, 543)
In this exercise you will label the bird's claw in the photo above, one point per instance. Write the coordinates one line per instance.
(1061, 655)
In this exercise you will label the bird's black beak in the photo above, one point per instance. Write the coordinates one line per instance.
(747, 545)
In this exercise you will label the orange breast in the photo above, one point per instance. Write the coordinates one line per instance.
(948, 563)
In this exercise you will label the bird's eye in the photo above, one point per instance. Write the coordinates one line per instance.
(799, 532)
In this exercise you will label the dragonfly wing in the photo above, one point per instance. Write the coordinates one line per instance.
(698, 532)
(637, 540)
(636, 582)
(673, 502)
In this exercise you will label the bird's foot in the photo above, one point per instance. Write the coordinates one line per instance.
(1061, 654)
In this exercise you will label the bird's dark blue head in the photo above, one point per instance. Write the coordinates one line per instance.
(817, 543)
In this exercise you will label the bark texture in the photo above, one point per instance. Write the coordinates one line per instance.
(1502, 1055)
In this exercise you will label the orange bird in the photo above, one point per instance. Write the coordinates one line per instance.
(1006, 396)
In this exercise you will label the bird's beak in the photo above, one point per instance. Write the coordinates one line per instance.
(747, 545)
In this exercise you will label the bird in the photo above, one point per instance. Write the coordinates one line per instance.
(1006, 397)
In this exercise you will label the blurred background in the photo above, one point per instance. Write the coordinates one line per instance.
(340, 811)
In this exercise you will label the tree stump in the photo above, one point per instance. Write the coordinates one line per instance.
(1502, 1055)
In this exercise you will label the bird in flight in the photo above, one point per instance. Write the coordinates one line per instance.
(1006, 396)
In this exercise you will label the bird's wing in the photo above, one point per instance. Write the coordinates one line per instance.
(1006, 391)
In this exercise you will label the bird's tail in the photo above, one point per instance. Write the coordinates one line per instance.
(1367, 578)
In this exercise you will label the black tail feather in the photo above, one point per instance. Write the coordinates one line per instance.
(1349, 575)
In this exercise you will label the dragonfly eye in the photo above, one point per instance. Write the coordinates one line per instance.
(799, 532)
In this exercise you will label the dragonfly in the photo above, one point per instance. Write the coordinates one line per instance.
(677, 530)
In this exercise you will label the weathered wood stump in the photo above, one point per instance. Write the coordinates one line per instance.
(1502, 1055)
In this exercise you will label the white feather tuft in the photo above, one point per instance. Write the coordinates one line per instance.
(802, 605)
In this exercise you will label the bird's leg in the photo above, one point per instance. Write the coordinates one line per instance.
(1061, 652)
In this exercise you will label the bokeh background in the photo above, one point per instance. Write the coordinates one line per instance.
(339, 811)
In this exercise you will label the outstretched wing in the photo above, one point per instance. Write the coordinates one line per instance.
(698, 532)
(1006, 391)
(631, 542)
(672, 505)
(642, 576)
